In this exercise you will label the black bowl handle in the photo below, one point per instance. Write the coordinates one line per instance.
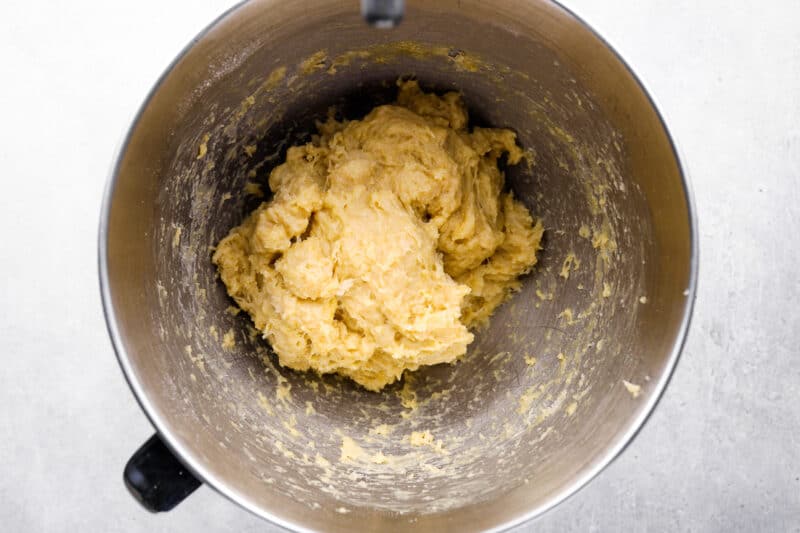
(156, 478)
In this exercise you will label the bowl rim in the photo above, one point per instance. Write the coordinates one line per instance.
(192, 462)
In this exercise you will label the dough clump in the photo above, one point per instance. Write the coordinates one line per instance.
(386, 240)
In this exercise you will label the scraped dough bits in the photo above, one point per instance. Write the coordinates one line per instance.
(386, 240)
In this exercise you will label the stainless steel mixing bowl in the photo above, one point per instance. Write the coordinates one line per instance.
(548, 394)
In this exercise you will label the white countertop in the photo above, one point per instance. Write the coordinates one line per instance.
(721, 452)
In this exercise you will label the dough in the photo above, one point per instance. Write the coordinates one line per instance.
(387, 239)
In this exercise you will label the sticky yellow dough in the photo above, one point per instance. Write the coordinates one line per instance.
(386, 239)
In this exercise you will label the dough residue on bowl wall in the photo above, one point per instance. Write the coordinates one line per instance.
(548, 362)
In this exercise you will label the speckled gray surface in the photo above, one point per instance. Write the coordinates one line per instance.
(721, 451)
